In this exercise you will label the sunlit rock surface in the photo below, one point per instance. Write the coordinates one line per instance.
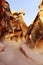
(36, 29)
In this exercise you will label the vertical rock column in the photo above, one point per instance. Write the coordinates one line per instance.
(1, 8)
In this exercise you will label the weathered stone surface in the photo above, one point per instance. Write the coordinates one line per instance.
(36, 30)
(13, 24)
(2, 2)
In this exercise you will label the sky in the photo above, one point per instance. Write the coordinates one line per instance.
(30, 7)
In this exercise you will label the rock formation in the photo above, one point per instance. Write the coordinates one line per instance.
(12, 26)
(20, 18)
(1, 6)
(4, 21)
(36, 29)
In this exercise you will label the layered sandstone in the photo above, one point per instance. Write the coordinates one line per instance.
(12, 26)
(36, 29)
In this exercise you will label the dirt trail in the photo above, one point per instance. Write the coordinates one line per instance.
(13, 56)
(33, 54)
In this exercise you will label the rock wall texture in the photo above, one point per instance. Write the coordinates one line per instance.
(14, 28)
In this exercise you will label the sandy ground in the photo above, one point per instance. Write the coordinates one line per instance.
(12, 55)
(33, 54)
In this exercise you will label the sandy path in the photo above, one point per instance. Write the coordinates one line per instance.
(33, 54)
(13, 56)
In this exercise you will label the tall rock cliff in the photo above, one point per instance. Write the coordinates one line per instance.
(36, 29)
(12, 26)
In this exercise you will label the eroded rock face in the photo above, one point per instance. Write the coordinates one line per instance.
(12, 26)
(2, 2)
(35, 30)
(4, 21)
(20, 18)
(37, 26)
